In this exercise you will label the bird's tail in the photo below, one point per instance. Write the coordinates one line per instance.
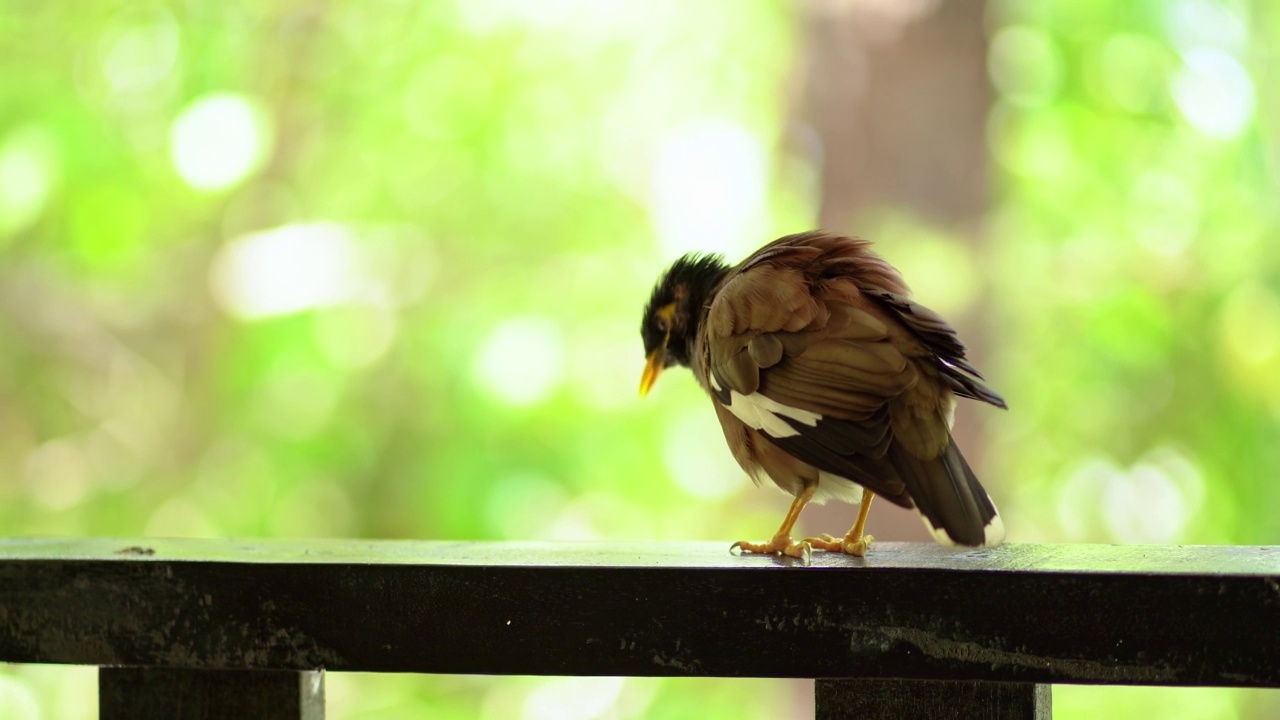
(955, 507)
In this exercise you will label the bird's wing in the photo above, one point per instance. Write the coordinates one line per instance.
(815, 344)
(940, 339)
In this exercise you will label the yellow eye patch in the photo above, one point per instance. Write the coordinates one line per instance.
(665, 315)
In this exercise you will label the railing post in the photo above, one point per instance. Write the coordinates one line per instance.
(890, 699)
(125, 693)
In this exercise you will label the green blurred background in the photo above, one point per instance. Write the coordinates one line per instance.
(375, 269)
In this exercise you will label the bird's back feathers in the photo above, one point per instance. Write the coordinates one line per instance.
(814, 343)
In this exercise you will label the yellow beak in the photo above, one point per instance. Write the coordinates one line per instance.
(652, 369)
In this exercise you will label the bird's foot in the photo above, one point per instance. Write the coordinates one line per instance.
(781, 544)
(857, 547)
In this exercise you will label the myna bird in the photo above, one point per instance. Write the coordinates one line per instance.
(829, 380)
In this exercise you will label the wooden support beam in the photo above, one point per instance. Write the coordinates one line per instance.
(890, 699)
(128, 693)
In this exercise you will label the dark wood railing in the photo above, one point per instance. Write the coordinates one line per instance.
(225, 628)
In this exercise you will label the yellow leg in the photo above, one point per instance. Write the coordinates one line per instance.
(854, 543)
(782, 542)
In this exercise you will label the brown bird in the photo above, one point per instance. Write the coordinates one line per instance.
(828, 379)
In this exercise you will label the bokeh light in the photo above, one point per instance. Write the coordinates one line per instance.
(521, 362)
(218, 140)
(1215, 93)
(708, 189)
(28, 174)
(140, 49)
(287, 270)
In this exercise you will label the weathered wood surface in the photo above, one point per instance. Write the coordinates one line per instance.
(888, 699)
(1023, 613)
(130, 693)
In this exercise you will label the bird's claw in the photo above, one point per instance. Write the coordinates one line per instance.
(779, 545)
(829, 543)
(859, 547)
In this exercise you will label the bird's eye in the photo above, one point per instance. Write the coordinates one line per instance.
(665, 315)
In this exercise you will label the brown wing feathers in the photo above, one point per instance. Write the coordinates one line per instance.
(819, 332)
(941, 339)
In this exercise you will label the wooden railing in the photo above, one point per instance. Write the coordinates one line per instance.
(224, 628)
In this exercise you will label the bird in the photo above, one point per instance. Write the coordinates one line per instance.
(829, 381)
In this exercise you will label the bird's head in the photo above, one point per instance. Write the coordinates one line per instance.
(674, 312)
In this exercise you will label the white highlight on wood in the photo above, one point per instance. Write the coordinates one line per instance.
(763, 413)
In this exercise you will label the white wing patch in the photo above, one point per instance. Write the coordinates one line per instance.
(993, 533)
(765, 414)
(939, 535)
